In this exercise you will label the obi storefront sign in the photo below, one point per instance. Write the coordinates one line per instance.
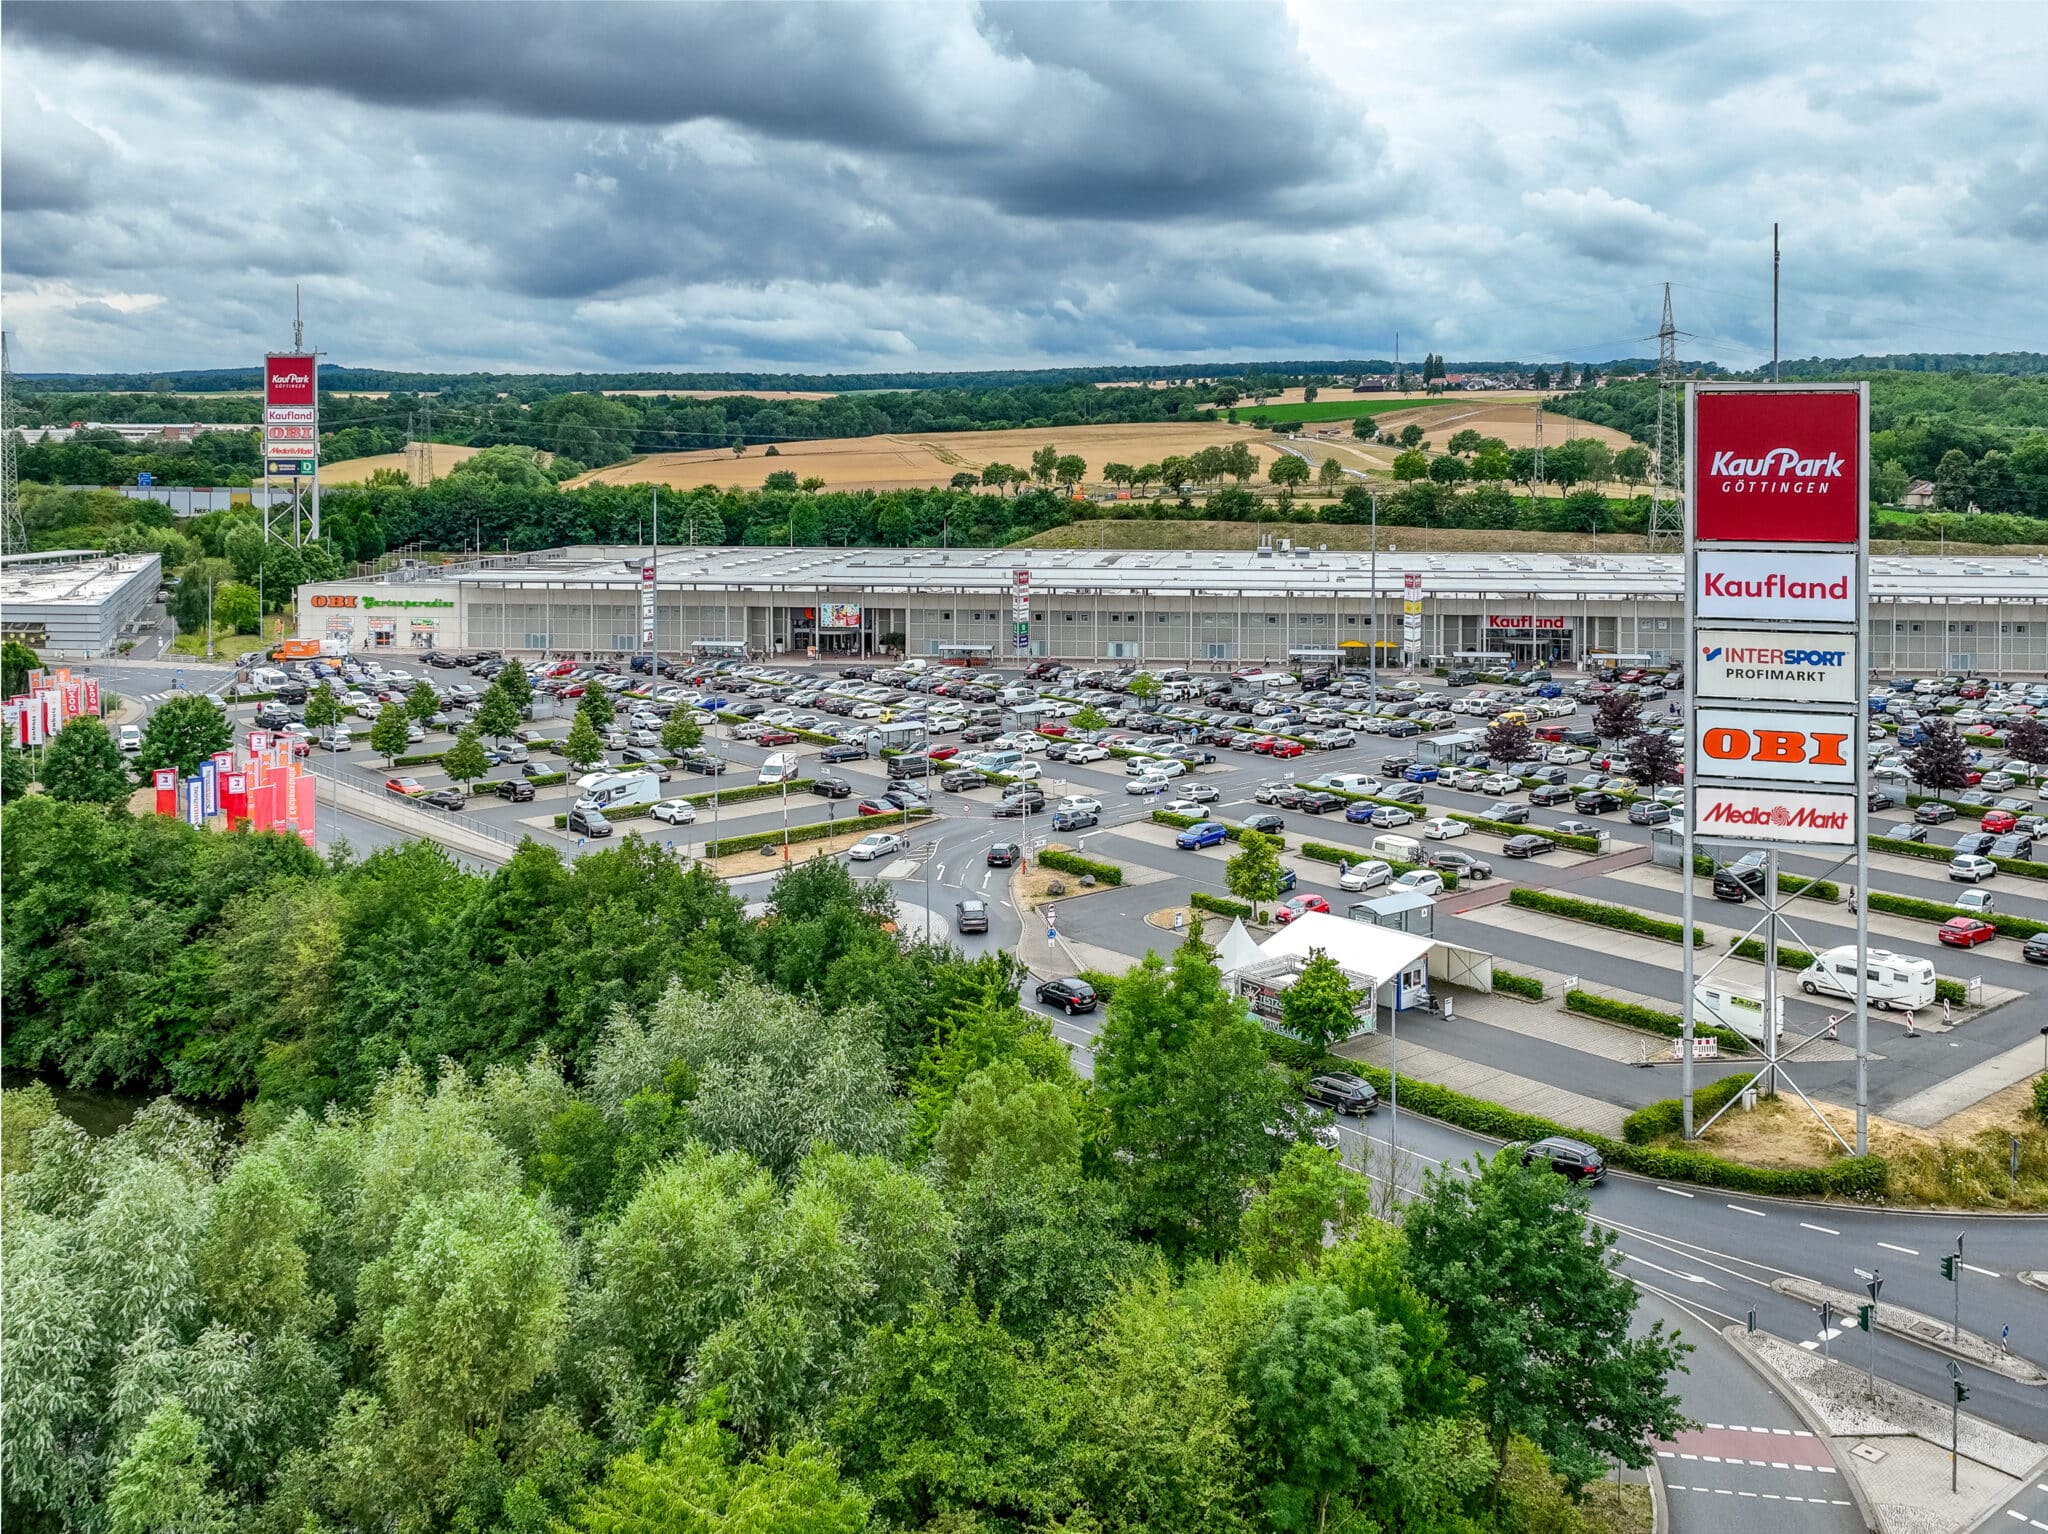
(1768, 665)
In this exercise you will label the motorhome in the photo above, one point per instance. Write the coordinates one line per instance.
(1897, 981)
(779, 767)
(620, 791)
(1397, 849)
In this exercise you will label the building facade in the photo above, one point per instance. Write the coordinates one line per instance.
(76, 602)
(1191, 607)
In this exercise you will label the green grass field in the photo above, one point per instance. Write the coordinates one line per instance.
(1349, 408)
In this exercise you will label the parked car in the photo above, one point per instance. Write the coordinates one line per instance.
(1507, 813)
(1271, 825)
(1299, 906)
(1366, 875)
(1342, 1092)
(1906, 831)
(1969, 868)
(588, 823)
(1441, 828)
(445, 799)
(1003, 854)
(1965, 932)
(1647, 812)
(1018, 805)
(1934, 812)
(405, 788)
(878, 844)
(1386, 817)
(1571, 1159)
(1421, 881)
(1203, 833)
(515, 789)
(1069, 995)
(1320, 803)
(845, 751)
(1463, 864)
(828, 786)
(970, 916)
(1527, 846)
(1598, 802)
(1064, 819)
(2036, 949)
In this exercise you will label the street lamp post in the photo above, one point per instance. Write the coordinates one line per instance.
(1873, 1281)
(1373, 659)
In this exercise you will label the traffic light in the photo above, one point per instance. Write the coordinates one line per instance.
(1948, 1267)
(1866, 1317)
(1962, 1391)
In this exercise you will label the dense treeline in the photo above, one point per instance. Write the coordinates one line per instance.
(2018, 364)
(570, 1199)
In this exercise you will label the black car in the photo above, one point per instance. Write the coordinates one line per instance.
(1598, 802)
(961, 779)
(904, 799)
(1549, 794)
(1394, 766)
(293, 693)
(1271, 825)
(710, 766)
(539, 770)
(270, 716)
(976, 733)
(1933, 813)
(1407, 793)
(1568, 1158)
(1975, 844)
(1074, 820)
(1344, 1093)
(2014, 844)
(454, 798)
(1070, 995)
(1741, 879)
(515, 789)
(970, 916)
(2036, 949)
(825, 786)
(845, 751)
(1527, 846)
(1003, 854)
(1319, 803)
(1032, 803)
(1402, 729)
(588, 823)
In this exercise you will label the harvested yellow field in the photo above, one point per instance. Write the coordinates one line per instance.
(908, 462)
(1491, 416)
(719, 393)
(357, 471)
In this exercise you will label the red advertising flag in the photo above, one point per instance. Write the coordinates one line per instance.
(307, 788)
(288, 379)
(166, 781)
(1777, 467)
(92, 696)
(234, 798)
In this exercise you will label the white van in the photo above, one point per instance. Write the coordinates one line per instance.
(780, 767)
(131, 739)
(620, 791)
(1896, 980)
(1397, 849)
(1733, 1006)
(1352, 783)
(267, 679)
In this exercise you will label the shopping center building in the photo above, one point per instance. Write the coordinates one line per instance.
(1985, 614)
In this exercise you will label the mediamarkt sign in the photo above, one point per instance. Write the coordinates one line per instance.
(1777, 467)
(1766, 815)
(1774, 666)
(1748, 583)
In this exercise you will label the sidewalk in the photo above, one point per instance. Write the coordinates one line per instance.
(1569, 1108)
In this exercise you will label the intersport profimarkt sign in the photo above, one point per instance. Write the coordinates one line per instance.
(1775, 815)
(1777, 467)
(1771, 665)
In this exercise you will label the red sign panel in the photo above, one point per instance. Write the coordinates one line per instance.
(288, 380)
(1777, 467)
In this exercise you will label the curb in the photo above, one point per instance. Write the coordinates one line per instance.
(1733, 1336)
(2038, 1472)
(1900, 1321)
(1660, 1499)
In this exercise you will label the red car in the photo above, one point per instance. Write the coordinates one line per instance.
(1055, 731)
(777, 738)
(943, 753)
(560, 668)
(1300, 905)
(1965, 932)
(1997, 822)
(1265, 745)
(876, 807)
(573, 691)
(1633, 675)
(1286, 748)
(406, 788)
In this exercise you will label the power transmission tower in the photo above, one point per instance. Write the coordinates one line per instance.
(13, 537)
(1536, 468)
(1667, 513)
(427, 439)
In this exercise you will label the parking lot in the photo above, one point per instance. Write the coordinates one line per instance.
(1263, 750)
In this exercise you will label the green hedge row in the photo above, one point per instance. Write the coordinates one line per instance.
(1526, 986)
(750, 791)
(1650, 1020)
(1667, 1115)
(1074, 863)
(1934, 911)
(1790, 884)
(1323, 852)
(817, 831)
(1600, 914)
(1788, 958)
(424, 759)
(2018, 867)
(1858, 1177)
(1216, 904)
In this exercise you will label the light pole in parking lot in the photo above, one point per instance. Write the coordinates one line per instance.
(1372, 663)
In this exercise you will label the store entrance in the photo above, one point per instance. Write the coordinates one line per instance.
(1541, 647)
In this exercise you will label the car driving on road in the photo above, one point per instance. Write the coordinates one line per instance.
(879, 844)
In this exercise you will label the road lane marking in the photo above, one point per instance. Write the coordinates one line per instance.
(1690, 1278)
(1975, 1269)
(1906, 1249)
(1803, 1225)
(1757, 1212)
(1678, 1192)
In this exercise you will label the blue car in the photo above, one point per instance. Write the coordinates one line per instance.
(1550, 690)
(1203, 833)
(1359, 812)
(1421, 772)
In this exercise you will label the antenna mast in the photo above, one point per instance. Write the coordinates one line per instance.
(1667, 515)
(1774, 303)
(13, 536)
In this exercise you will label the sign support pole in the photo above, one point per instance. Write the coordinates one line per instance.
(1689, 845)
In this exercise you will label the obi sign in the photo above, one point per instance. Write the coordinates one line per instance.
(1783, 747)
(1778, 466)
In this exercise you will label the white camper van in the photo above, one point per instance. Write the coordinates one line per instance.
(1897, 981)
(620, 790)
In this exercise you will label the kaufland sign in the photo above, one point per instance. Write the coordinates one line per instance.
(1778, 466)
(288, 380)
(1745, 584)
(1775, 815)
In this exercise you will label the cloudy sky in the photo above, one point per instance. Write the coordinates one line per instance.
(845, 187)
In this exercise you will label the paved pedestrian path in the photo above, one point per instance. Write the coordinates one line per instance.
(1477, 1079)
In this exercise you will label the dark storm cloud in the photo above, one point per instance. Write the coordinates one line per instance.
(846, 186)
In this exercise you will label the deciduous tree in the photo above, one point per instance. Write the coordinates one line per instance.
(497, 716)
(1653, 758)
(1321, 1007)
(1940, 761)
(465, 761)
(1330, 476)
(1507, 740)
(1412, 463)
(183, 729)
(1288, 472)
(1253, 872)
(1614, 715)
(680, 733)
(421, 704)
(391, 733)
(581, 748)
(597, 705)
(84, 765)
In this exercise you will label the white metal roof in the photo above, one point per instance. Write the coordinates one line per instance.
(1379, 953)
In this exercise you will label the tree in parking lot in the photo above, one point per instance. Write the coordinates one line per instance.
(421, 704)
(323, 709)
(582, 747)
(1940, 762)
(84, 765)
(680, 733)
(465, 761)
(1614, 716)
(1089, 718)
(2027, 739)
(597, 706)
(1321, 1008)
(497, 715)
(1507, 740)
(181, 731)
(1253, 874)
(1544, 1317)
(515, 684)
(1143, 686)
(390, 735)
(1653, 758)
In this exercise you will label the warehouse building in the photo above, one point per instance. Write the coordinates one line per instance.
(1188, 606)
(76, 602)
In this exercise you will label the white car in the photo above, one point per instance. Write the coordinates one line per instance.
(1087, 753)
(1080, 802)
(675, 812)
(1500, 783)
(881, 844)
(1460, 778)
(1024, 772)
(1370, 874)
(131, 739)
(1030, 740)
(1440, 829)
(1140, 766)
(1567, 756)
(1181, 807)
(866, 711)
(1420, 881)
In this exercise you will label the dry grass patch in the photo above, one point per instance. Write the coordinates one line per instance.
(1514, 424)
(357, 471)
(738, 865)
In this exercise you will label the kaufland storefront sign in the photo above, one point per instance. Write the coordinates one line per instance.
(1776, 553)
